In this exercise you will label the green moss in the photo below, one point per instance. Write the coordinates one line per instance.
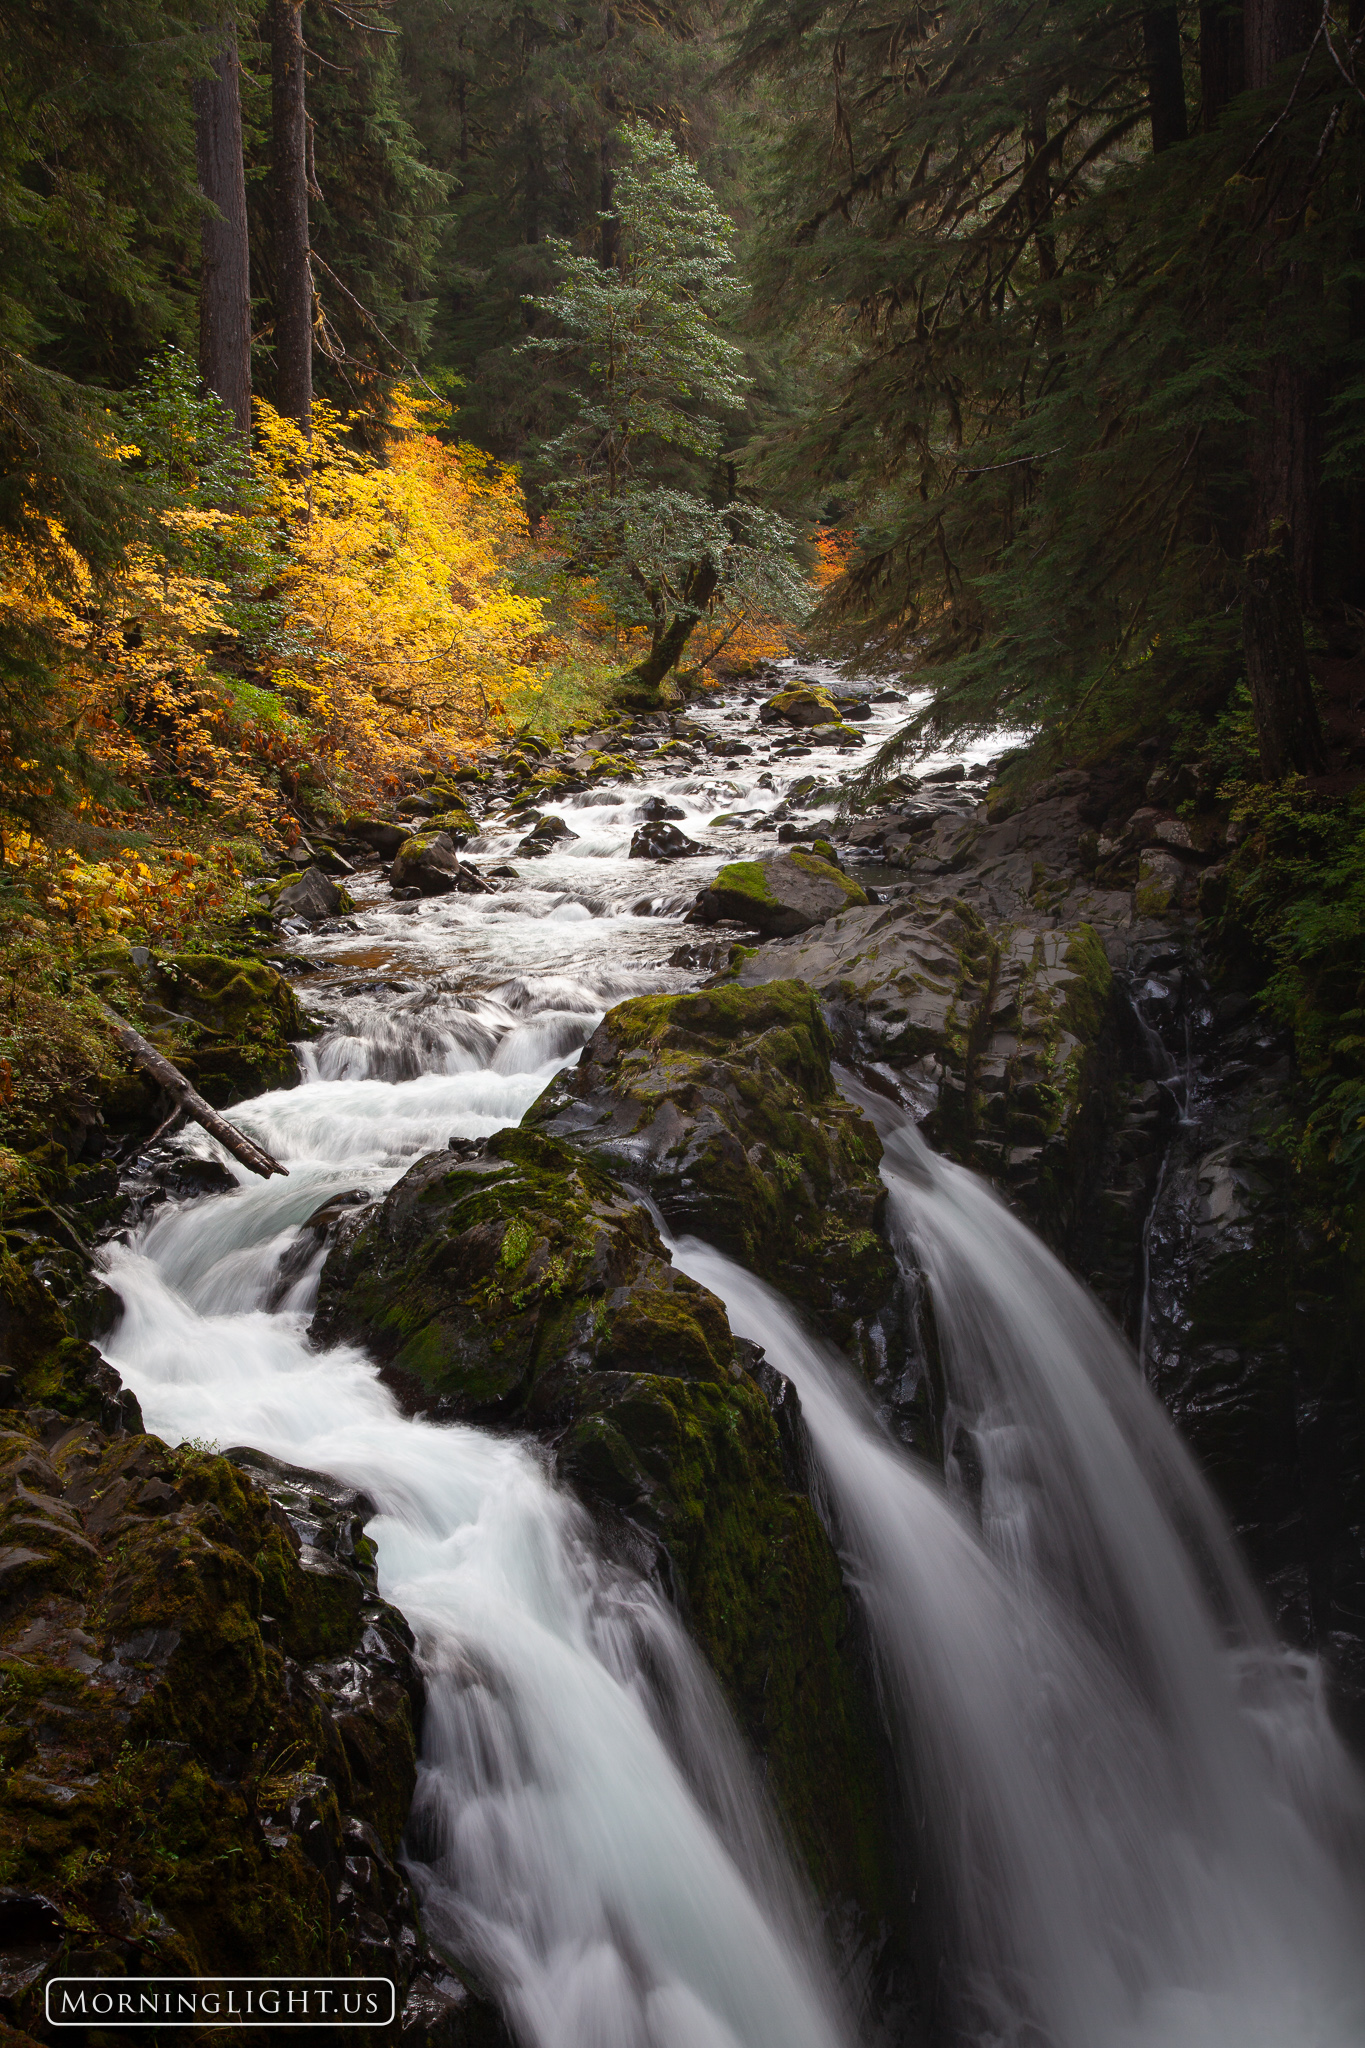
(156, 1797)
(525, 1282)
(747, 878)
(763, 1156)
(855, 896)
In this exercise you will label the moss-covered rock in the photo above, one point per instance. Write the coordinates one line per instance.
(187, 1788)
(800, 704)
(517, 1280)
(228, 1022)
(785, 894)
(724, 1106)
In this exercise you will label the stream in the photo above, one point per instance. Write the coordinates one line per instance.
(1141, 1828)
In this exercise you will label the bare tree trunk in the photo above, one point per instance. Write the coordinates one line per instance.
(1165, 76)
(1222, 70)
(224, 260)
(293, 270)
(1273, 31)
(170, 1079)
(1288, 730)
(1283, 448)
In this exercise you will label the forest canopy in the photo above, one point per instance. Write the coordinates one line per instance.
(1052, 309)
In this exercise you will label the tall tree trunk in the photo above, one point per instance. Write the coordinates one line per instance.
(1165, 76)
(1283, 452)
(1288, 730)
(224, 256)
(1222, 70)
(1274, 31)
(293, 271)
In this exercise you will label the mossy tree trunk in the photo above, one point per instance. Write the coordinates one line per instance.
(670, 643)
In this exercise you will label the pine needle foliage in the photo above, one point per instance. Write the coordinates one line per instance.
(1041, 342)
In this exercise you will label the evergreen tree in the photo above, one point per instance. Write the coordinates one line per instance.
(523, 105)
(656, 376)
(1066, 306)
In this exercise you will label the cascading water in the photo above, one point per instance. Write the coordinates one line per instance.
(1137, 1832)
(587, 1831)
(1144, 1832)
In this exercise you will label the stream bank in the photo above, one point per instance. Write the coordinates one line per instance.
(1010, 981)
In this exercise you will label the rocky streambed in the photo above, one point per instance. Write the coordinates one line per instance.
(463, 1308)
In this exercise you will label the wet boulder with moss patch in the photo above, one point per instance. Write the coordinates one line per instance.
(723, 1106)
(517, 1280)
(781, 896)
(210, 1730)
(800, 704)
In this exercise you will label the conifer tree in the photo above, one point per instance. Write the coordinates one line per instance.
(656, 377)
(225, 260)
(1084, 326)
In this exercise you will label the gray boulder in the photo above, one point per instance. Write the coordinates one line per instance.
(313, 897)
(780, 896)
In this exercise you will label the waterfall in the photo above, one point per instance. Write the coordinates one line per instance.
(1141, 1829)
(1133, 1818)
(587, 1831)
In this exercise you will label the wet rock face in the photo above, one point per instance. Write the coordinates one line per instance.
(658, 840)
(1253, 1334)
(209, 1737)
(778, 897)
(516, 1280)
(723, 1107)
(313, 897)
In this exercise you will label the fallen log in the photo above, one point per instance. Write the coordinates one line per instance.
(188, 1100)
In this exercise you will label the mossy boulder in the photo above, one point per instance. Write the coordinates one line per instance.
(427, 862)
(494, 1279)
(517, 1280)
(312, 896)
(723, 1105)
(194, 1782)
(785, 894)
(228, 1022)
(800, 704)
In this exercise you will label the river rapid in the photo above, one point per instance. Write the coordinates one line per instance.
(1142, 1829)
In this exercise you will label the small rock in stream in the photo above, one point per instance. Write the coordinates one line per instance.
(660, 841)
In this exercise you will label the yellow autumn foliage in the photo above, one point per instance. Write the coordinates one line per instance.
(403, 628)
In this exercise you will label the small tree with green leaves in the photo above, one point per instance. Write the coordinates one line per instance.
(645, 497)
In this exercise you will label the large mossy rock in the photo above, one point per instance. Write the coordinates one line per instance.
(781, 896)
(1012, 1031)
(517, 1280)
(800, 704)
(229, 1023)
(723, 1106)
(210, 1732)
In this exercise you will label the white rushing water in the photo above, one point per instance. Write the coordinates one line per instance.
(586, 1829)
(1137, 1832)
(1144, 1830)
